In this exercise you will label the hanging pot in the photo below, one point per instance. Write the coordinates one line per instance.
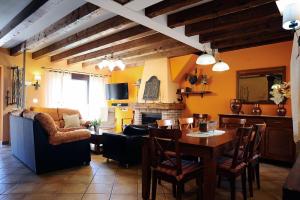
(281, 110)
(235, 106)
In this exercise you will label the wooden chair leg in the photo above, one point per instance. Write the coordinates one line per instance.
(154, 185)
(244, 189)
(174, 190)
(232, 188)
(219, 181)
(199, 182)
(159, 181)
(257, 174)
(179, 191)
(250, 174)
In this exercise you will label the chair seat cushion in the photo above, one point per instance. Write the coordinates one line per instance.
(188, 167)
(225, 163)
(70, 136)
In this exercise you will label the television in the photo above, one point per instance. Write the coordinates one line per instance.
(117, 91)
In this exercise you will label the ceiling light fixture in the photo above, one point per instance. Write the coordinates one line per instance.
(111, 64)
(220, 66)
(290, 11)
(205, 59)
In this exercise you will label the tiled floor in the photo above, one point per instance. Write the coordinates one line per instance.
(103, 181)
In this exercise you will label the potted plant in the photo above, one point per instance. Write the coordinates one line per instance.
(96, 124)
(280, 93)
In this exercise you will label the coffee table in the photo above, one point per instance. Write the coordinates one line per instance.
(97, 140)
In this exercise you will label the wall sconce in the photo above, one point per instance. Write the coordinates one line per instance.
(37, 78)
(35, 100)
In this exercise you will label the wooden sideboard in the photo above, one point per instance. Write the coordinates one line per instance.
(277, 143)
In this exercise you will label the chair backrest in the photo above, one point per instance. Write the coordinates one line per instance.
(199, 117)
(232, 123)
(165, 123)
(162, 142)
(244, 136)
(260, 130)
(186, 123)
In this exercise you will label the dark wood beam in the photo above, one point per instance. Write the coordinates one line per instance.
(131, 45)
(167, 6)
(255, 38)
(119, 37)
(101, 29)
(147, 50)
(26, 12)
(254, 15)
(212, 10)
(77, 17)
(264, 26)
(255, 44)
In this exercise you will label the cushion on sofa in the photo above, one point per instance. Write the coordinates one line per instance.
(71, 121)
(29, 114)
(71, 136)
(47, 123)
(51, 111)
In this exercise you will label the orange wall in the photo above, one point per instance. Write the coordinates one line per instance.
(130, 76)
(223, 84)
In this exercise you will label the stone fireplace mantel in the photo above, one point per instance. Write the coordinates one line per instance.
(167, 110)
(158, 106)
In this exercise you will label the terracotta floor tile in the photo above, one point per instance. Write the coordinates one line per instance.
(5, 187)
(23, 188)
(100, 188)
(123, 197)
(12, 197)
(107, 179)
(74, 188)
(68, 196)
(125, 189)
(96, 197)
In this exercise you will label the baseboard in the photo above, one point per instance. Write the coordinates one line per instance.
(5, 142)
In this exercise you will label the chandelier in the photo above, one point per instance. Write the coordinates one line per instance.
(112, 64)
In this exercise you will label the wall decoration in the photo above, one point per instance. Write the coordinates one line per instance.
(152, 88)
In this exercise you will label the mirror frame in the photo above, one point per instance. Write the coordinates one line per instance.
(260, 72)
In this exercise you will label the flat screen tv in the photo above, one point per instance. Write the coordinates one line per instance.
(117, 91)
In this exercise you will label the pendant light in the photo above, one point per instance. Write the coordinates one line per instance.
(205, 59)
(111, 63)
(220, 66)
(291, 17)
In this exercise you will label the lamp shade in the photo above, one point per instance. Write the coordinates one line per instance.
(291, 16)
(206, 59)
(220, 67)
(120, 64)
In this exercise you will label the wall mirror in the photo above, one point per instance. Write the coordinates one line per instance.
(254, 85)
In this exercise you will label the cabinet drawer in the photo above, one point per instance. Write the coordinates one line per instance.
(282, 123)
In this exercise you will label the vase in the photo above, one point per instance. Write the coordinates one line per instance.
(256, 110)
(281, 111)
(235, 106)
(96, 129)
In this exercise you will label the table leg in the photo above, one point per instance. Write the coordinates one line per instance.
(146, 172)
(209, 179)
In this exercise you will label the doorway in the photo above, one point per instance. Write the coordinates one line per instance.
(1, 101)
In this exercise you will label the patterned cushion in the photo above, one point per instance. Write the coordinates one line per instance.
(188, 167)
(71, 121)
(47, 123)
(224, 164)
(70, 136)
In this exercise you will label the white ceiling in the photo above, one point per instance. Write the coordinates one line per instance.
(9, 9)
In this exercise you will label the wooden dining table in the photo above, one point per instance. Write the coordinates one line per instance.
(207, 148)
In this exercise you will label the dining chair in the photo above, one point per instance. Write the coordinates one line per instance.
(198, 118)
(165, 123)
(232, 123)
(254, 157)
(234, 167)
(185, 123)
(172, 169)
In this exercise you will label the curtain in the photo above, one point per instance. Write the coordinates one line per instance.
(55, 88)
(295, 87)
(97, 98)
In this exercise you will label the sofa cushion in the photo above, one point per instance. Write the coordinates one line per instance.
(66, 111)
(133, 130)
(47, 123)
(29, 114)
(71, 121)
(71, 136)
(51, 111)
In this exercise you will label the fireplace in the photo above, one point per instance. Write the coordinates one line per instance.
(149, 118)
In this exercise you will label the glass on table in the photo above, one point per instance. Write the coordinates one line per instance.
(212, 125)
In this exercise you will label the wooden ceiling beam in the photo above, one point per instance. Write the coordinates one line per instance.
(131, 45)
(167, 6)
(31, 8)
(257, 14)
(212, 10)
(267, 26)
(79, 16)
(255, 38)
(147, 50)
(119, 37)
(101, 29)
(255, 44)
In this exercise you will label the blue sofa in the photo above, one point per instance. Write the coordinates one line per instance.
(30, 144)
